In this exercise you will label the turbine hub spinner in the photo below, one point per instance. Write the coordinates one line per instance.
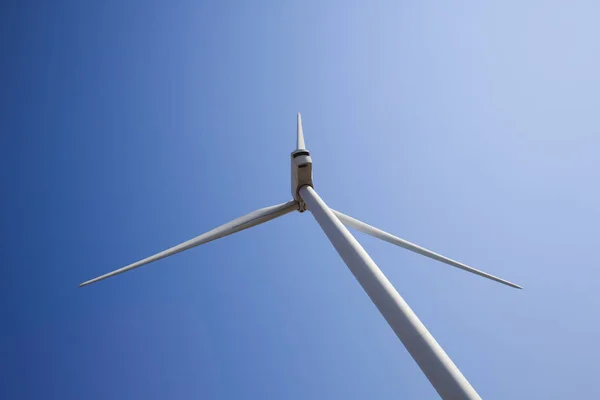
(301, 174)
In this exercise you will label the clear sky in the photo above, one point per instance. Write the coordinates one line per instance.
(471, 128)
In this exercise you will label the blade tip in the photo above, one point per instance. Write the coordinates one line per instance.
(82, 284)
(513, 285)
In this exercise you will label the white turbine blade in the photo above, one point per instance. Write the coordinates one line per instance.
(247, 221)
(443, 374)
(300, 143)
(378, 233)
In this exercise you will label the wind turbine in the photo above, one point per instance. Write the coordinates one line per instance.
(445, 377)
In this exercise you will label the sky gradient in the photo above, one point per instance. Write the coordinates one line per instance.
(127, 127)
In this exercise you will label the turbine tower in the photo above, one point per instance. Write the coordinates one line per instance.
(445, 377)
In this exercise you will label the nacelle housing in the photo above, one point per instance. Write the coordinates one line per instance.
(301, 174)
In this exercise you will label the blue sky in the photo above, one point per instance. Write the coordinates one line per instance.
(470, 128)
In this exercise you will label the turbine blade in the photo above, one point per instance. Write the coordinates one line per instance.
(300, 143)
(247, 221)
(378, 233)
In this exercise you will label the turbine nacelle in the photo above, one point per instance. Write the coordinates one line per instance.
(301, 174)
